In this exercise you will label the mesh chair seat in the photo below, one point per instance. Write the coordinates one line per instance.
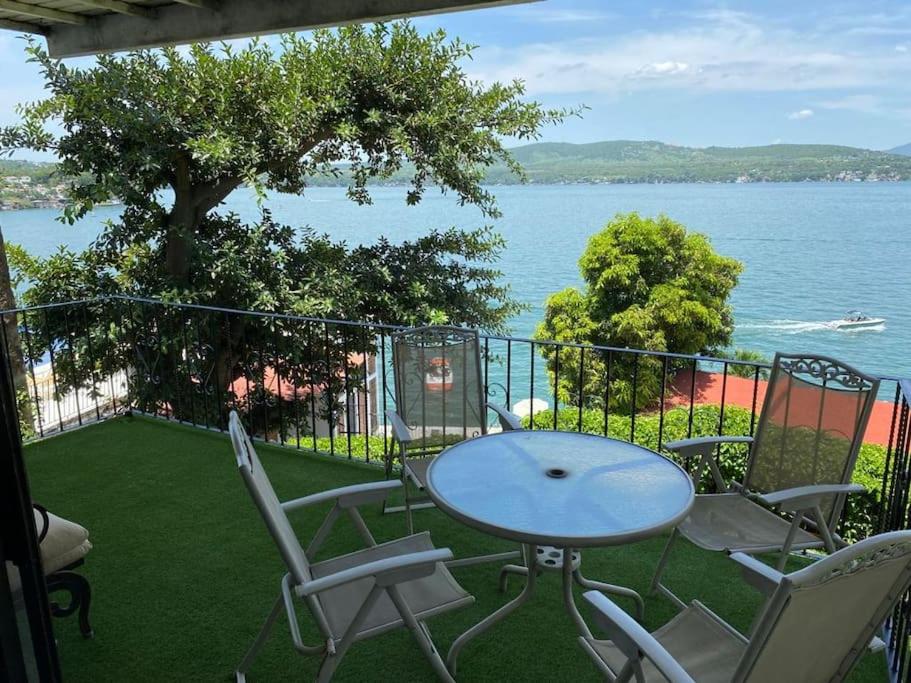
(730, 521)
(416, 468)
(427, 596)
(707, 649)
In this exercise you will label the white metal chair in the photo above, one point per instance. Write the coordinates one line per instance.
(401, 583)
(799, 470)
(439, 396)
(815, 625)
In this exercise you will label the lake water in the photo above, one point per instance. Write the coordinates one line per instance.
(811, 251)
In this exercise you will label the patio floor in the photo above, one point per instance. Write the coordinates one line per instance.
(183, 572)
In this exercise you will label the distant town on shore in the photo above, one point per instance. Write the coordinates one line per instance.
(27, 184)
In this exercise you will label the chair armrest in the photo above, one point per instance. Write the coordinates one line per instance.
(386, 572)
(347, 496)
(400, 431)
(508, 421)
(759, 575)
(805, 497)
(704, 447)
(697, 443)
(633, 640)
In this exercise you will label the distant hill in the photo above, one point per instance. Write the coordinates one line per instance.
(29, 184)
(614, 161)
(627, 161)
(37, 170)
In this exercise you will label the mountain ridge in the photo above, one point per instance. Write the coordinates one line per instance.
(653, 161)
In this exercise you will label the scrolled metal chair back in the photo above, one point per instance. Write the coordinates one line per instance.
(812, 424)
(819, 620)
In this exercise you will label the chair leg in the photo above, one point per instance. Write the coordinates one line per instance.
(656, 585)
(80, 593)
(409, 517)
(421, 634)
(240, 673)
(327, 668)
(334, 655)
(662, 562)
(789, 541)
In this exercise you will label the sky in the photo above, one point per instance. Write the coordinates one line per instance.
(683, 72)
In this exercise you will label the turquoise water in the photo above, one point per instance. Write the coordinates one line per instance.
(811, 251)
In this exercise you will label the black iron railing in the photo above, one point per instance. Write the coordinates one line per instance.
(894, 515)
(325, 384)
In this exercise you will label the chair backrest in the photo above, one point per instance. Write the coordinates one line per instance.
(438, 389)
(254, 476)
(820, 620)
(811, 427)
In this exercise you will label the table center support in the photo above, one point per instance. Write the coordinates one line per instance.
(536, 560)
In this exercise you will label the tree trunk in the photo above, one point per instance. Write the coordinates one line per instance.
(182, 224)
(12, 341)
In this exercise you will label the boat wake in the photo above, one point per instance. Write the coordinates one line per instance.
(804, 326)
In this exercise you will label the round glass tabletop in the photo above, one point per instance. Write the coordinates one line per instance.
(559, 488)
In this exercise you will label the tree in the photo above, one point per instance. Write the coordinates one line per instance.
(649, 285)
(194, 126)
(11, 342)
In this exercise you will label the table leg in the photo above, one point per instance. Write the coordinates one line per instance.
(568, 576)
(499, 615)
(616, 590)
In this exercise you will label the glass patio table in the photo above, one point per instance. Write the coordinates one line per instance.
(556, 493)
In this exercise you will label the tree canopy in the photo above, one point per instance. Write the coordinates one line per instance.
(357, 101)
(649, 284)
(171, 133)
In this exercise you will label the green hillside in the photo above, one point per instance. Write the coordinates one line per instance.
(901, 149)
(615, 161)
(625, 161)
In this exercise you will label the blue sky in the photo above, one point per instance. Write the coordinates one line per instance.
(689, 73)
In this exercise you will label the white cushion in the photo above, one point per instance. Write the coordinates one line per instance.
(65, 542)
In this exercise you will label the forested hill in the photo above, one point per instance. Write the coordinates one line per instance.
(24, 184)
(625, 161)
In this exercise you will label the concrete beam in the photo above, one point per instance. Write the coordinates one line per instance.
(181, 23)
(208, 4)
(120, 7)
(41, 12)
(23, 27)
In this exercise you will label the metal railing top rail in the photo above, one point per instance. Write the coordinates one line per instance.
(905, 383)
(394, 328)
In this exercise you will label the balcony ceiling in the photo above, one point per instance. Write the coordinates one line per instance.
(83, 27)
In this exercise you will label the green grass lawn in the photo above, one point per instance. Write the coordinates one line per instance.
(183, 571)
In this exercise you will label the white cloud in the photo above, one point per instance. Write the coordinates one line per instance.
(543, 15)
(712, 51)
(901, 48)
(663, 69)
(866, 103)
(801, 114)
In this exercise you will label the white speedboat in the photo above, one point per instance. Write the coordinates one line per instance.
(855, 320)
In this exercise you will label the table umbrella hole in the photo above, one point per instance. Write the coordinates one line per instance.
(556, 473)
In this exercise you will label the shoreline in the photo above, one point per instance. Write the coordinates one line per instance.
(559, 183)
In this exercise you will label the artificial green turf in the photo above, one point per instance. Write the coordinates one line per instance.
(183, 571)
